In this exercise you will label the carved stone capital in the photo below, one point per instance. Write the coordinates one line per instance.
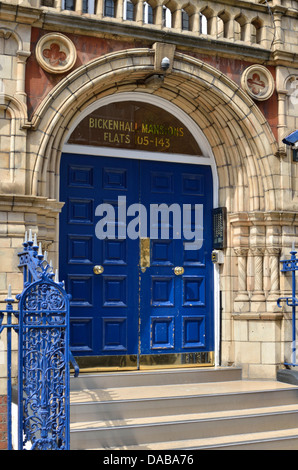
(257, 250)
(273, 251)
(241, 251)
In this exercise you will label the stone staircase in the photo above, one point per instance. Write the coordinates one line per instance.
(184, 409)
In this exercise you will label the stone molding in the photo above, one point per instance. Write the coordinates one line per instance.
(204, 86)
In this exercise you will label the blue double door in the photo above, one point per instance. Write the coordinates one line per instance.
(135, 254)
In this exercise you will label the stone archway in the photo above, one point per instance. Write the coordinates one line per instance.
(240, 137)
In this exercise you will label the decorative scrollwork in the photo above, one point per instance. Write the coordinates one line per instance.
(43, 327)
(45, 355)
(44, 303)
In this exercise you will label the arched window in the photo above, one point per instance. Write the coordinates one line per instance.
(205, 20)
(203, 24)
(223, 20)
(292, 102)
(166, 17)
(69, 5)
(240, 25)
(185, 21)
(256, 30)
(148, 16)
(109, 8)
(128, 10)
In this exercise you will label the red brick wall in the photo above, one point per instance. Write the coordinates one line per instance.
(3, 422)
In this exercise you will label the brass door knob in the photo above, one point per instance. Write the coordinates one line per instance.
(178, 270)
(98, 269)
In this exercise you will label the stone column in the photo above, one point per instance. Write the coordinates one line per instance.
(79, 6)
(241, 301)
(274, 266)
(212, 25)
(248, 33)
(158, 15)
(99, 8)
(282, 124)
(140, 12)
(119, 10)
(22, 57)
(195, 22)
(278, 40)
(258, 295)
(229, 27)
(58, 4)
(177, 19)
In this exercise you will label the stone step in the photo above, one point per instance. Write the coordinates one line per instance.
(182, 409)
(270, 440)
(155, 377)
(127, 403)
(117, 434)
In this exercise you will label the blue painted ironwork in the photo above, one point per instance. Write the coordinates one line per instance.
(291, 265)
(43, 354)
(9, 326)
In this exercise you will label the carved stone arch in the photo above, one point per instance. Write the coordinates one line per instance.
(240, 27)
(208, 14)
(8, 33)
(241, 139)
(257, 30)
(291, 86)
(16, 108)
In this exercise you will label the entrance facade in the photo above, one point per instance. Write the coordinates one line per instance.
(141, 280)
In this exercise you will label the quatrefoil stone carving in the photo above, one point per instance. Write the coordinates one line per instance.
(56, 53)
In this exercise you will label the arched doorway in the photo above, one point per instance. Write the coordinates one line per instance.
(228, 125)
(139, 184)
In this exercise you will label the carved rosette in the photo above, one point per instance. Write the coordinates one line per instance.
(258, 82)
(56, 53)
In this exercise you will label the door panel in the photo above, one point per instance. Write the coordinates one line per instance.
(176, 311)
(104, 314)
(130, 309)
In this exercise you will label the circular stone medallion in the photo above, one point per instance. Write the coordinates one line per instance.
(55, 53)
(258, 82)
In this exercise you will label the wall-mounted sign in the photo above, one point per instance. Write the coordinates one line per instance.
(136, 126)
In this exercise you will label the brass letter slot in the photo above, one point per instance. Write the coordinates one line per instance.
(144, 253)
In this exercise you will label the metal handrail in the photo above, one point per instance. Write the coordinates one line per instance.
(291, 265)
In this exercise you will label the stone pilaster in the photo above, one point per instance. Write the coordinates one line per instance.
(241, 302)
(258, 295)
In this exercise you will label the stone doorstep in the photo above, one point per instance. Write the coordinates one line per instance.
(287, 376)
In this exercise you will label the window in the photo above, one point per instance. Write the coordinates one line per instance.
(148, 13)
(69, 5)
(185, 21)
(206, 17)
(166, 17)
(223, 22)
(128, 13)
(203, 24)
(109, 8)
(240, 22)
(256, 31)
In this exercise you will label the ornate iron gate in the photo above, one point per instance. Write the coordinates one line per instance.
(43, 354)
